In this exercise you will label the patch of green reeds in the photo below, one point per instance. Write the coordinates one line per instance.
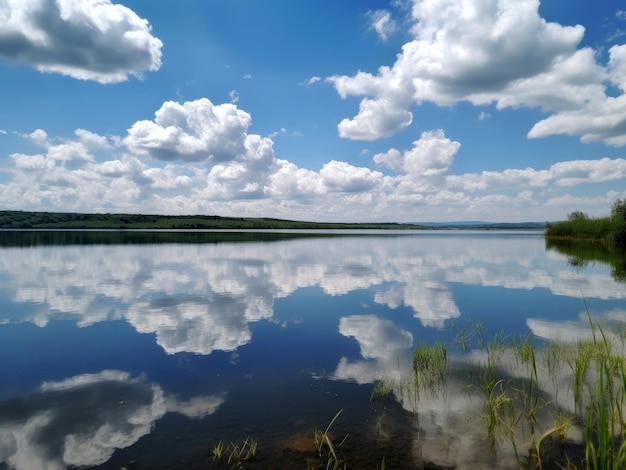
(501, 399)
(218, 451)
(498, 407)
(585, 229)
(530, 396)
(428, 377)
(381, 391)
(602, 404)
(470, 333)
(238, 452)
(327, 450)
(242, 451)
(514, 400)
(562, 402)
(430, 367)
(579, 226)
(598, 388)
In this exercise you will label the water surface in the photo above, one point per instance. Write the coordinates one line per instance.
(144, 350)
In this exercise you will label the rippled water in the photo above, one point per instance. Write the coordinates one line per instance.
(143, 350)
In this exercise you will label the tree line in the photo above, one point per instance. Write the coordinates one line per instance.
(69, 220)
(579, 225)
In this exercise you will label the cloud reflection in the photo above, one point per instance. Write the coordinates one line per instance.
(80, 421)
(378, 339)
(613, 325)
(448, 418)
(381, 342)
(193, 325)
(202, 297)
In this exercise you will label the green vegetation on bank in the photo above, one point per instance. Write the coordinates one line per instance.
(611, 230)
(56, 220)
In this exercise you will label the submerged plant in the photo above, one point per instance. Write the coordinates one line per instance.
(604, 429)
(498, 407)
(325, 447)
(598, 386)
(469, 333)
(382, 390)
(430, 366)
(242, 451)
(218, 451)
(531, 397)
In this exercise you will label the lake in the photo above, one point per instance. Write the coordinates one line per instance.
(160, 350)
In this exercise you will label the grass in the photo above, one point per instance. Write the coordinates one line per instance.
(611, 230)
(430, 366)
(382, 390)
(218, 452)
(498, 407)
(556, 405)
(327, 450)
(238, 452)
(584, 229)
(603, 406)
(598, 387)
(564, 403)
(242, 451)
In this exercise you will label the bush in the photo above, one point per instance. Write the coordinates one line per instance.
(578, 225)
(618, 211)
(618, 222)
(577, 215)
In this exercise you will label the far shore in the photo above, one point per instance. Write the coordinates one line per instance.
(81, 221)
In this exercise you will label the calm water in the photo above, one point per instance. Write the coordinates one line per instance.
(140, 350)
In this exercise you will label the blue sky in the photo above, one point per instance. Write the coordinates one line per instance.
(401, 110)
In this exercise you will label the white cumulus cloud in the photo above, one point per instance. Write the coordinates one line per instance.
(192, 131)
(198, 157)
(84, 39)
(382, 23)
(480, 51)
(431, 155)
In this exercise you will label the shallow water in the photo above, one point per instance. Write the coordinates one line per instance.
(143, 350)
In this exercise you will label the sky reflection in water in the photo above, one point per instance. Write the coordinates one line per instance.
(133, 332)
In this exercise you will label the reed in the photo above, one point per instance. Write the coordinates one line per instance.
(498, 407)
(554, 356)
(242, 451)
(430, 367)
(218, 451)
(382, 390)
(327, 451)
(587, 229)
(472, 332)
(604, 429)
(597, 386)
(521, 385)
(461, 339)
(532, 397)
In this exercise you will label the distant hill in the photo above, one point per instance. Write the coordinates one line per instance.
(479, 225)
(71, 220)
(449, 224)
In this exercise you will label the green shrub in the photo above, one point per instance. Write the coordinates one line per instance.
(579, 226)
